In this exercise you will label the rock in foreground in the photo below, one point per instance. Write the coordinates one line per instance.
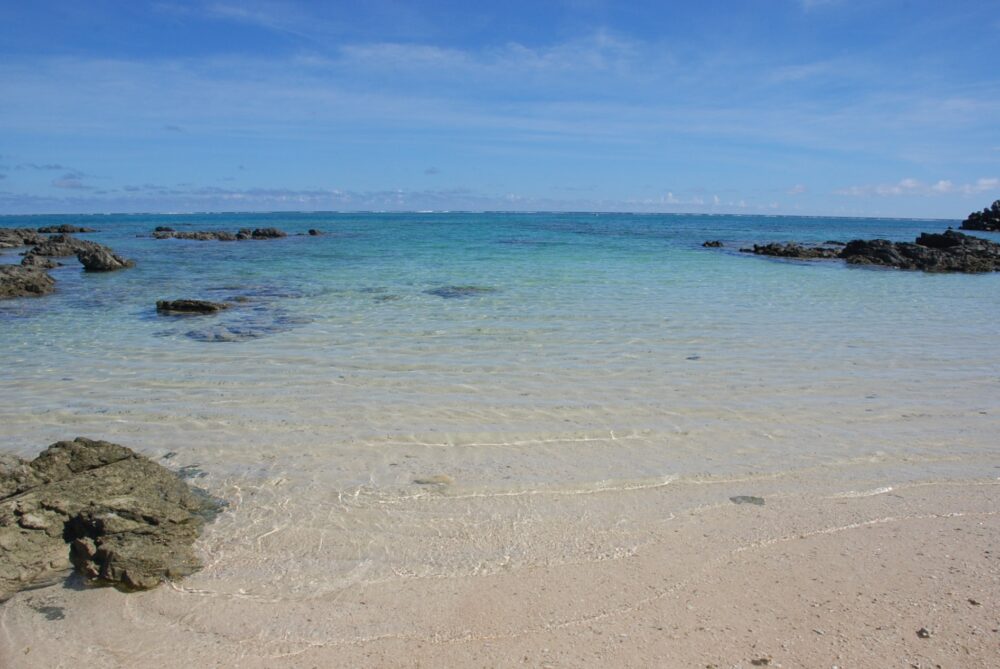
(128, 521)
(190, 306)
(793, 250)
(18, 281)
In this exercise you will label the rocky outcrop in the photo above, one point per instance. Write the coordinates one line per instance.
(116, 516)
(59, 246)
(189, 306)
(102, 259)
(38, 262)
(219, 235)
(950, 251)
(793, 250)
(65, 229)
(988, 220)
(18, 281)
(713, 244)
(198, 235)
(11, 238)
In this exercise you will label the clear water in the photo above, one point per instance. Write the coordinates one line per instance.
(596, 356)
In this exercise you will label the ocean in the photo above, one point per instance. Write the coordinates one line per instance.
(426, 395)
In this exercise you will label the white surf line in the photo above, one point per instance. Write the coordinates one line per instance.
(521, 493)
(520, 442)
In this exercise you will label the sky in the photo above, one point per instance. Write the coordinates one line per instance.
(799, 107)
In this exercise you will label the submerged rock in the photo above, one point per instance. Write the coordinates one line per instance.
(988, 220)
(102, 259)
(65, 229)
(190, 306)
(713, 244)
(18, 281)
(128, 521)
(747, 499)
(455, 292)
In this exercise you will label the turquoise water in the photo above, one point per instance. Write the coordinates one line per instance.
(535, 360)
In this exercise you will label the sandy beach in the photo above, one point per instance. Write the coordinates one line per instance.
(840, 581)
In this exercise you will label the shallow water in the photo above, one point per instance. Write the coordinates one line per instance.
(550, 369)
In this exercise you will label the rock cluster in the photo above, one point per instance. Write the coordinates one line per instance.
(116, 516)
(11, 238)
(19, 281)
(988, 220)
(949, 251)
(219, 235)
(65, 229)
(60, 246)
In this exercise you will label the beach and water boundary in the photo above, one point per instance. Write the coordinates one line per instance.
(580, 397)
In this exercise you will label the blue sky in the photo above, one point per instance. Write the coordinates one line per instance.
(841, 107)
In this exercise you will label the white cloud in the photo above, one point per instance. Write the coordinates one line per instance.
(797, 189)
(916, 187)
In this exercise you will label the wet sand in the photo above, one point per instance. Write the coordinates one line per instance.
(842, 580)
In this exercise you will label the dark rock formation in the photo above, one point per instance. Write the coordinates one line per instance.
(129, 522)
(39, 262)
(102, 259)
(61, 245)
(950, 251)
(198, 235)
(190, 306)
(988, 220)
(713, 244)
(219, 235)
(793, 250)
(13, 237)
(163, 228)
(18, 281)
(313, 232)
(65, 229)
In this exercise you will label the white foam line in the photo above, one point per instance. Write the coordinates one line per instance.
(522, 442)
(863, 493)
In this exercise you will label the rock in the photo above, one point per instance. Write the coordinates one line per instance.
(219, 235)
(102, 259)
(190, 306)
(747, 499)
(793, 250)
(61, 245)
(65, 229)
(163, 228)
(18, 281)
(40, 262)
(950, 251)
(198, 235)
(313, 232)
(987, 221)
(924, 633)
(713, 244)
(455, 292)
(267, 233)
(11, 238)
(129, 522)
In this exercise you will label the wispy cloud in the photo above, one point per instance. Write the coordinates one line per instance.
(38, 166)
(71, 180)
(797, 189)
(916, 187)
